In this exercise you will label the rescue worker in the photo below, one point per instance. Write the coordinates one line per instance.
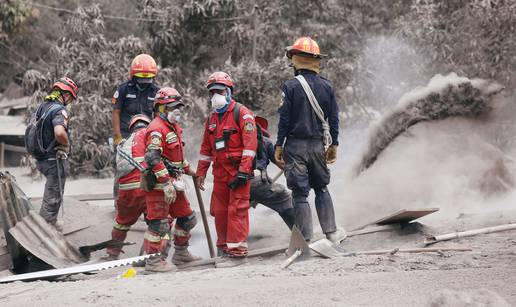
(272, 195)
(305, 142)
(229, 141)
(54, 163)
(166, 163)
(130, 202)
(134, 96)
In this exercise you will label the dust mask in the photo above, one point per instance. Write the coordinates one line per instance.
(174, 116)
(218, 101)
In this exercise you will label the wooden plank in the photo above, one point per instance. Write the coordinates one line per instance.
(406, 216)
(2, 154)
(414, 250)
(373, 229)
(82, 197)
(14, 148)
(401, 217)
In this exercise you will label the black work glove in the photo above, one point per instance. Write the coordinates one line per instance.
(239, 180)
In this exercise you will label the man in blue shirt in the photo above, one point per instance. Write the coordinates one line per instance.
(53, 163)
(303, 142)
(135, 96)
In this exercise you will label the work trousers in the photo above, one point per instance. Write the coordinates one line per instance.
(306, 169)
(52, 198)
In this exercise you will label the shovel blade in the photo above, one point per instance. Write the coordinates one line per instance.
(298, 243)
(328, 249)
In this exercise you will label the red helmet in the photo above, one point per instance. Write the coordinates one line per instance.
(219, 77)
(68, 85)
(139, 118)
(264, 125)
(305, 46)
(168, 95)
(143, 66)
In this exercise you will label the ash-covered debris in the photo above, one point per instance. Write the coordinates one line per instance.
(443, 97)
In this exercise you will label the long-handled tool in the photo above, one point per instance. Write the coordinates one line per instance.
(204, 218)
(60, 184)
(86, 250)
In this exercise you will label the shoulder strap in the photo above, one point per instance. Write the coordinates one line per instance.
(236, 113)
(317, 109)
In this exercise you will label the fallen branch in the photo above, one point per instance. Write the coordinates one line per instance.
(469, 233)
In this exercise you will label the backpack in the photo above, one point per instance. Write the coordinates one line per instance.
(260, 151)
(34, 132)
(124, 167)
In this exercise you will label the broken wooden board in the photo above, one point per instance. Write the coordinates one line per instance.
(82, 197)
(403, 216)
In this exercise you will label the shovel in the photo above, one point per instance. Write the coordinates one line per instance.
(88, 249)
(298, 248)
(327, 249)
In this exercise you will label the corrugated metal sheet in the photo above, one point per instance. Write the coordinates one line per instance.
(25, 230)
(45, 242)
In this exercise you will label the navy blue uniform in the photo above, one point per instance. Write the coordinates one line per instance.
(131, 101)
(272, 195)
(48, 165)
(300, 132)
(297, 119)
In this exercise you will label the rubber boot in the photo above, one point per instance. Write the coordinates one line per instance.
(182, 255)
(113, 253)
(337, 236)
(158, 265)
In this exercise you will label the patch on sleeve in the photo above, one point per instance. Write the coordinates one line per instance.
(156, 134)
(282, 98)
(114, 99)
(246, 116)
(156, 141)
(65, 117)
(249, 127)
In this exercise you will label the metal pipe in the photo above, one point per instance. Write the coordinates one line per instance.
(469, 233)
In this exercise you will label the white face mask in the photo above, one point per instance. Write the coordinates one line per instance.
(174, 116)
(218, 101)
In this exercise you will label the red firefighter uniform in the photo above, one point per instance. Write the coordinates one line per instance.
(167, 138)
(232, 148)
(130, 202)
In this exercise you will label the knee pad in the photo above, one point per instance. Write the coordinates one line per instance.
(187, 223)
(159, 226)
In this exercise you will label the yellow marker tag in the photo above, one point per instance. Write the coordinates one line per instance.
(130, 273)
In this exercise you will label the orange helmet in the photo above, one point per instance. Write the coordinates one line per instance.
(139, 120)
(305, 46)
(220, 78)
(68, 85)
(143, 66)
(167, 95)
